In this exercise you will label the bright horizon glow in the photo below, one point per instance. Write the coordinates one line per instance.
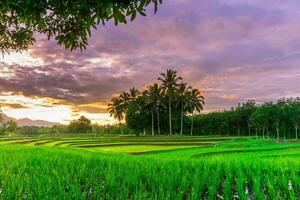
(230, 50)
(46, 109)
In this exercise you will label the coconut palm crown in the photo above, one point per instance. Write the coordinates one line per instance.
(160, 100)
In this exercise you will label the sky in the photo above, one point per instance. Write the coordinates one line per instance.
(231, 50)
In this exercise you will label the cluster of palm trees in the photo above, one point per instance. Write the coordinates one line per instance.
(157, 98)
(118, 105)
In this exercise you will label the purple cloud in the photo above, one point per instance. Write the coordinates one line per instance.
(232, 50)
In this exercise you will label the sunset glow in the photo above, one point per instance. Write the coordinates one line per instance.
(227, 49)
(18, 106)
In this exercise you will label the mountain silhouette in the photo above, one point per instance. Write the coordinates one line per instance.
(30, 122)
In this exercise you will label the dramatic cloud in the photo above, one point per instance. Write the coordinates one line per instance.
(233, 50)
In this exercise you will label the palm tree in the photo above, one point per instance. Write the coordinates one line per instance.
(183, 97)
(160, 102)
(125, 101)
(195, 104)
(133, 93)
(115, 110)
(150, 104)
(152, 100)
(169, 83)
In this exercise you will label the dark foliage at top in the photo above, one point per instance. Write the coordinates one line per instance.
(68, 22)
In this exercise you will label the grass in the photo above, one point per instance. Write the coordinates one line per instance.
(119, 144)
(139, 148)
(149, 168)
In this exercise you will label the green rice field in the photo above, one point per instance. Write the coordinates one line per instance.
(160, 167)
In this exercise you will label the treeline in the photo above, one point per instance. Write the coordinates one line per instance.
(162, 108)
(81, 125)
(279, 119)
(7, 127)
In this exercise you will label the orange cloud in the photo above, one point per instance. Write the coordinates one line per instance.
(230, 97)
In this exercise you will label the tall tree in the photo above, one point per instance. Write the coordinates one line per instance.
(153, 102)
(82, 125)
(115, 110)
(133, 93)
(183, 98)
(258, 118)
(270, 119)
(276, 118)
(169, 84)
(150, 100)
(12, 126)
(196, 103)
(160, 104)
(125, 100)
(284, 113)
(137, 115)
(295, 116)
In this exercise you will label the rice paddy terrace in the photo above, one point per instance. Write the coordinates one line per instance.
(128, 144)
(161, 167)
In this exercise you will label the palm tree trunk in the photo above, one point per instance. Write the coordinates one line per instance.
(158, 124)
(152, 122)
(238, 128)
(181, 127)
(256, 132)
(227, 131)
(120, 125)
(170, 116)
(192, 124)
(277, 130)
(296, 129)
(249, 129)
(263, 132)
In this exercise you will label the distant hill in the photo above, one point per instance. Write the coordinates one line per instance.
(29, 122)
